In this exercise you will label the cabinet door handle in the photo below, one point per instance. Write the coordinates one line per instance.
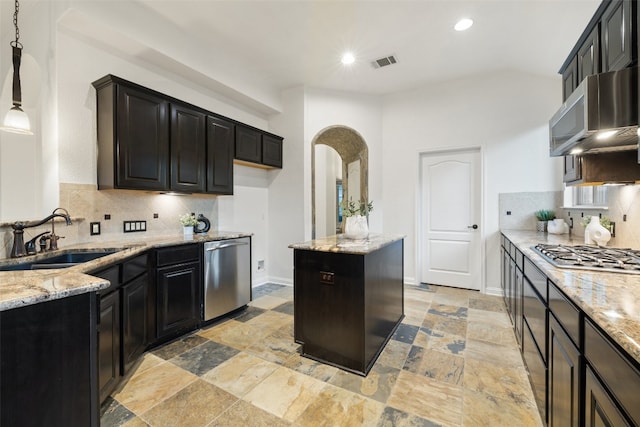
(474, 226)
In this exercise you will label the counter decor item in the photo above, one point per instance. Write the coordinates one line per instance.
(203, 224)
(356, 219)
(188, 221)
(543, 217)
(596, 232)
(557, 226)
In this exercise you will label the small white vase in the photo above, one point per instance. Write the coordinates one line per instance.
(356, 227)
(596, 233)
(188, 231)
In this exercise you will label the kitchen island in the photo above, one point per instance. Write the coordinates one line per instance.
(348, 298)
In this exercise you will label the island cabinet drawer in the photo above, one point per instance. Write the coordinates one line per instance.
(618, 374)
(537, 278)
(566, 313)
(177, 254)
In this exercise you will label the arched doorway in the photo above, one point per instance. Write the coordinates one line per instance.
(340, 170)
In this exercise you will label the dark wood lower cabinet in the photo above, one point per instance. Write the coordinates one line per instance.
(600, 411)
(135, 321)
(178, 293)
(587, 378)
(47, 364)
(564, 378)
(537, 370)
(109, 344)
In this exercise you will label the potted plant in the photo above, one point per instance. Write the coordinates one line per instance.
(543, 216)
(188, 220)
(356, 214)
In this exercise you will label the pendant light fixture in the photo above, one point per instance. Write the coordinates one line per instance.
(16, 120)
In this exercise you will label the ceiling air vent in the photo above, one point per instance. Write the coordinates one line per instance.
(383, 62)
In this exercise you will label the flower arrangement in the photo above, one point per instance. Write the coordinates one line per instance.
(351, 208)
(188, 219)
(545, 215)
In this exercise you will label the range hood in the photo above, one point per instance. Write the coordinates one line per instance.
(600, 115)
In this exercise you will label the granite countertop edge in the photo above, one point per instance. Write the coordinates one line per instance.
(340, 244)
(21, 288)
(610, 300)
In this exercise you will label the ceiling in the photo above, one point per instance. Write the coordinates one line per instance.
(283, 44)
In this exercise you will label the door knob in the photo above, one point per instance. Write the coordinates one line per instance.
(474, 226)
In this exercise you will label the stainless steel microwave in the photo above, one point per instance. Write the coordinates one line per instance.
(600, 115)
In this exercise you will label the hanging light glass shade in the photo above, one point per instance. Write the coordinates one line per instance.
(16, 120)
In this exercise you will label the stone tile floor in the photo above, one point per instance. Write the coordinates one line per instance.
(452, 362)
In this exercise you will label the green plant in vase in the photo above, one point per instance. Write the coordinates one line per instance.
(356, 225)
(543, 216)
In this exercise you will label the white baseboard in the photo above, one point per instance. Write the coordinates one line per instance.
(496, 291)
(410, 281)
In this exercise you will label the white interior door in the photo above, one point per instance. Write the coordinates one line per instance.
(450, 219)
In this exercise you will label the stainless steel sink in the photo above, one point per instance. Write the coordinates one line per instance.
(64, 260)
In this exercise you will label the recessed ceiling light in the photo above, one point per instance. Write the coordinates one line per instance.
(463, 24)
(348, 58)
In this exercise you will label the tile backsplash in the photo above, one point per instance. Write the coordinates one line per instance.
(517, 209)
(623, 208)
(86, 204)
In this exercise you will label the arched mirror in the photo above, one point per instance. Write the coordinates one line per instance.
(340, 169)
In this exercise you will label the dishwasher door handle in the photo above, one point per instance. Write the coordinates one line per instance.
(226, 245)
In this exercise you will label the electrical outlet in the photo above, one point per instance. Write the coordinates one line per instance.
(260, 264)
(94, 228)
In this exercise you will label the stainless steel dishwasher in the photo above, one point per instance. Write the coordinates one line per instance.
(227, 276)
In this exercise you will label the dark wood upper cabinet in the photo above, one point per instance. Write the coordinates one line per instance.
(220, 146)
(572, 168)
(272, 151)
(258, 148)
(133, 137)
(570, 79)
(187, 149)
(589, 56)
(617, 36)
(151, 141)
(248, 145)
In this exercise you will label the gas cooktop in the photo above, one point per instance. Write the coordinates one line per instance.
(588, 257)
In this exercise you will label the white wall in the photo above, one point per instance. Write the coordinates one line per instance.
(64, 55)
(289, 202)
(361, 113)
(504, 113)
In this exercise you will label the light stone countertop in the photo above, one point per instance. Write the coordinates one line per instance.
(340, 244)
(25, 287)
(611, 300)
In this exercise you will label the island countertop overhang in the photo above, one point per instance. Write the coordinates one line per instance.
(340, 244)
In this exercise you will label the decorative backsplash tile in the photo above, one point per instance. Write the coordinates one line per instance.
(87, 204)
(623, 209)
(517, 209)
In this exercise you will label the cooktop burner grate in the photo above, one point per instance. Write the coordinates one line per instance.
(587, 257)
